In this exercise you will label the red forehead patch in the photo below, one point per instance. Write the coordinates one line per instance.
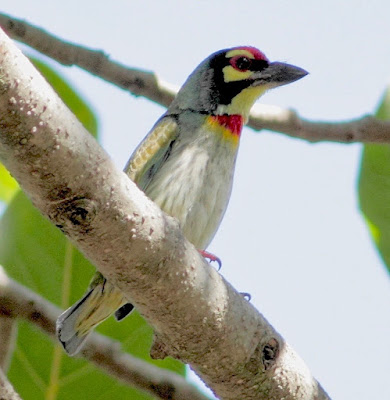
(257, 54)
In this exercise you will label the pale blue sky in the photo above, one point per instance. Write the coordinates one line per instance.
(293, 236)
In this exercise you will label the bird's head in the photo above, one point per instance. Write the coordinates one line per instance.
(231, 80)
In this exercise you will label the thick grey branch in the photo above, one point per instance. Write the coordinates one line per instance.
(198, 317)
(147, 84)
(7, 392)
(16, 301)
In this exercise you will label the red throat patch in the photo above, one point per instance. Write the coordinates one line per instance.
(233, 123)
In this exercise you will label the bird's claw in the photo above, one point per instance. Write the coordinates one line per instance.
(247, 296)
(211, 257)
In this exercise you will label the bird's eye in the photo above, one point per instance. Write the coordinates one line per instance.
(241, 63)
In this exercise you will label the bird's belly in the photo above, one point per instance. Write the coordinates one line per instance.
(195, 186)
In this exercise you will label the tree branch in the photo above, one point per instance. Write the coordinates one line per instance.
(7, 392)
(137, 82)
(198, 317)
(144, 83)
(8, 331)
(367, 129)
(16, 301)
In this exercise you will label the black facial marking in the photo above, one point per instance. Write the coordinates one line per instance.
(259, 65)
(223, 92)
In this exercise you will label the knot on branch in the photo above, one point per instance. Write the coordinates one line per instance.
(267, 352)
(270, 353)
(75, 214)
(164, 390)
(14, 27)
(6, 308)
(94, 60)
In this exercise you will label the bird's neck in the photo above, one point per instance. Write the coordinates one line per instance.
(242, 103)
(232, 123)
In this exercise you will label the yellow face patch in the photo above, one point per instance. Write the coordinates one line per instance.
(242, 103)
(230, 74)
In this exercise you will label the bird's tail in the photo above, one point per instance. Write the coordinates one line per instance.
(74, 324)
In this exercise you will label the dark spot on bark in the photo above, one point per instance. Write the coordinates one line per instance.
(139, 82)
(135, 85)
(164, 390)
(60, 193)
(4, 86)
(35, 316)
(6, 308)
(18, 28)
(78, 215)
(74, 214)
(80, 211)
(270, 353)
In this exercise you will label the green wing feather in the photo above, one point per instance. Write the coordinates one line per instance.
(152, 152)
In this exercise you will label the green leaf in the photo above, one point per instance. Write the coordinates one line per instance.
(8, 185)
(374, 187)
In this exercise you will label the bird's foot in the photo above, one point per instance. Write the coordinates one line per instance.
(211, 257)
(246, 296)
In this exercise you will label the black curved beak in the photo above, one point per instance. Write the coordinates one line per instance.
(278, 74)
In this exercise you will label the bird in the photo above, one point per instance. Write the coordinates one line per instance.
(186, 164)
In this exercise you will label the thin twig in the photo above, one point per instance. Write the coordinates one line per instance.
(144, 83)
(16, 301)
(366, 129)
(137, 82)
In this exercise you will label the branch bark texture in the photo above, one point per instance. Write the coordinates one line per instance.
(145, 83)
(7, 392)
(197, 316)
(16, 301)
